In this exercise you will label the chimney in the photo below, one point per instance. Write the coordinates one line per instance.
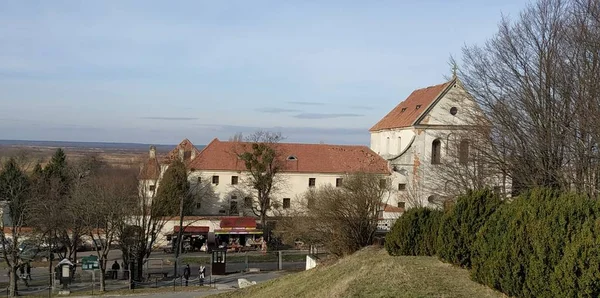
(152, 153)
(181, 153)
(193, 154)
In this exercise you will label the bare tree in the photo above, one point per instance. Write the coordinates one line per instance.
(263, 160)
(343, 219)
(536, 81)
(237, 137)
(109, 195)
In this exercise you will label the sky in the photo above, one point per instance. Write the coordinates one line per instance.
(156, 72)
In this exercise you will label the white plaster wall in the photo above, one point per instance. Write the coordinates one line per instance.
(455, 97)
(415, 169)
(390, 142)
(288, 185)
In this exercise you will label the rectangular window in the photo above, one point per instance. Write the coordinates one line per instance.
(233, 209)
(247, 202)
(215, 179)
(234, 180)
(401, 204)
(338, 182)
(198, 205)
(152, 187)
(199, 179)
(286, 203)
(401, 186)
(312, 182)
(463, 152)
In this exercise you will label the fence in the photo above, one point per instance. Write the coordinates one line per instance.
(158, 273)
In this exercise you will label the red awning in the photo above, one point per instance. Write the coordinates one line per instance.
(192, 229)
(238, 222)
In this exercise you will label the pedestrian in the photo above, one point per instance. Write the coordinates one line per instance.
(22, 274)
(115, 269)
(201, 272)
(29, 270)
(186, 273)
(263, 246)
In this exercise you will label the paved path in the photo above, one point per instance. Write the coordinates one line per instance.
(225, 284)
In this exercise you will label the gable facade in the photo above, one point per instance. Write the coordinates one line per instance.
(421, 132)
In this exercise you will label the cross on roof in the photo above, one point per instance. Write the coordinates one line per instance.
(454, 68)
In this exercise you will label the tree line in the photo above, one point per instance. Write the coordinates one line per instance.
(50, 209)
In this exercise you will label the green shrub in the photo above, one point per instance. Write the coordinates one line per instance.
(458, 227)
(414, 233)
(518, 249)
(497, 257)
(578, 274)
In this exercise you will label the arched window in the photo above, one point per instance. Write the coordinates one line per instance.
(436, 150)
(463, 152)
(387, 146)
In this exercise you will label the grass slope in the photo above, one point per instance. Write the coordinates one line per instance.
(373, 273)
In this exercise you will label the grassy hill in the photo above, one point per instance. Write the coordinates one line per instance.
(373, 273)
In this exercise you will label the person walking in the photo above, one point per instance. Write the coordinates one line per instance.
(22, 274)
(186, 273)
(201, 272)
(28, 269)
(115, 269)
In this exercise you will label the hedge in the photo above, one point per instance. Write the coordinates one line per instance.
(414, 233)
(543, 243)
(459, 225)
(519, 249)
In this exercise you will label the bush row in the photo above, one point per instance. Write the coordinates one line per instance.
(541, 244)
(415, 233)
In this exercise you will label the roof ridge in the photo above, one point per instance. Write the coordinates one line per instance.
(295, 144)
(401, 116)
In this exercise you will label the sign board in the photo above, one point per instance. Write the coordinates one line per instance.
(90, 263)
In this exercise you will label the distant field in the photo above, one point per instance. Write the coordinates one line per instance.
(116, 154)
(373, 273)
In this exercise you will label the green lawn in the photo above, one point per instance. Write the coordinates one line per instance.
(373, 273)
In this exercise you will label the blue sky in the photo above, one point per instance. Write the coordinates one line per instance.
(158, 72)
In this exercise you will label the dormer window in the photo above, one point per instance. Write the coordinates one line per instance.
(403, 109)
(418, 107)
(292, 157)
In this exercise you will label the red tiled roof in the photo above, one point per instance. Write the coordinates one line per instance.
(309, 158)
(397, 118)
(390, 208)
(189, 151)
(150, 169)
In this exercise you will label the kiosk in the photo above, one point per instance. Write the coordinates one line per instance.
(64, 270)
(219, 258)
